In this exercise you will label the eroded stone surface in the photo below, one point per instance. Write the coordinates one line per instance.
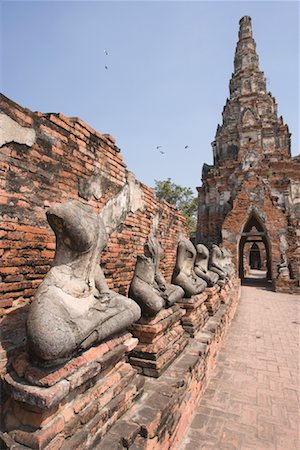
(148, 286)
(73, 404)
(161, 340)
(201, 266)
(73, 307)
(184, 272)
(11, 131)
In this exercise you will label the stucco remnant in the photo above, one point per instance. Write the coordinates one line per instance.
(11, 131)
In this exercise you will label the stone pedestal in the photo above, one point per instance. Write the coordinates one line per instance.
(224, 293)
(159, 420)
(196, 313)
(73, 405)
(161, 340)
(213, 300)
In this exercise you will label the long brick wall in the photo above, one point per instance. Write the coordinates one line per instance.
(49, 158)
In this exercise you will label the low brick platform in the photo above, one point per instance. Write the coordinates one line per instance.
(287, 286)
(252, 400)
(159, 419)
(73, 405)
(213, 300)
(161, 340)
(223, 294)
(196, 313)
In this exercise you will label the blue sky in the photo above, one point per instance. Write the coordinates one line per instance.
(169, 66)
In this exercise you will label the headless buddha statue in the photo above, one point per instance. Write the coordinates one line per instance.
(184, 273)
(201, 266)
(148, 287)
(217, 264)
(229, 266)
(73, 307)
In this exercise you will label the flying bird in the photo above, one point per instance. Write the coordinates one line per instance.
(106, 67)
(158, 147)
(106, 52)
(186, 146)
(160, 151)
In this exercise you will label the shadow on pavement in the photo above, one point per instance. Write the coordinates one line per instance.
(257, 278)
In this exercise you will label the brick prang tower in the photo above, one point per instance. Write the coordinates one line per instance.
(254, 181)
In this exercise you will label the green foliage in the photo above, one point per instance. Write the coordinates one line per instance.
(181, 197)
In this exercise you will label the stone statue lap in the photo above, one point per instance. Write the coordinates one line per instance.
(230, 268)
(184, 273)
(201, 266)
(148, 287)
(218, 264)
(73, 307)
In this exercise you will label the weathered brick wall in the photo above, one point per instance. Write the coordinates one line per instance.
(253, 168)
(273, 219)
(49, 158)
(227, 198)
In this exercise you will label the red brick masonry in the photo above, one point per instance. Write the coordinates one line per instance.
(162, 339)
(159, 419)
(73, 404)
(67, 160)
(196, 313)
(78, 404)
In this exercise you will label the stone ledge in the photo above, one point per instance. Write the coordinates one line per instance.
(196, 313)
(162, 339)
(158, 324)
(193, 302)
(46, 388)
(73, 404)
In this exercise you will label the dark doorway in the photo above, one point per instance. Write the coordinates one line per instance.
(254, 257)
(254, 238)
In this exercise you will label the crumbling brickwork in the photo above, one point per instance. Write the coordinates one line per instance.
(49, 158)
(253, 179)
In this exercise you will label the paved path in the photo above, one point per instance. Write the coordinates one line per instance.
(252, 399)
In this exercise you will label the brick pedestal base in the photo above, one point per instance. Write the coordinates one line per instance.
(159, 419)
(213, 300)
(196, 313)
(287, 286)
(161, 340)
(73, 405)
(224, 293)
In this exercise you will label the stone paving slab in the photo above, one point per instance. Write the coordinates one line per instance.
(252, 399)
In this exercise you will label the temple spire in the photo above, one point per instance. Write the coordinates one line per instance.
(247, 75)
(245, 28)
(249, 118)
(246, 57)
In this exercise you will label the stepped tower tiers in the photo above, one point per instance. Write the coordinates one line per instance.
(250, 121)
(254, 182)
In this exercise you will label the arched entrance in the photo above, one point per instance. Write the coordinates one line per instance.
(254, 250)
(254, 257)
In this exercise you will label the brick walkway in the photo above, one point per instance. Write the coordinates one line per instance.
(252, 399)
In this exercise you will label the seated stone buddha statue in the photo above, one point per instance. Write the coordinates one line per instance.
(201, 266)
(73, 307)
(149, 287)
(184, 272)
(218, 264)
(229, 266)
